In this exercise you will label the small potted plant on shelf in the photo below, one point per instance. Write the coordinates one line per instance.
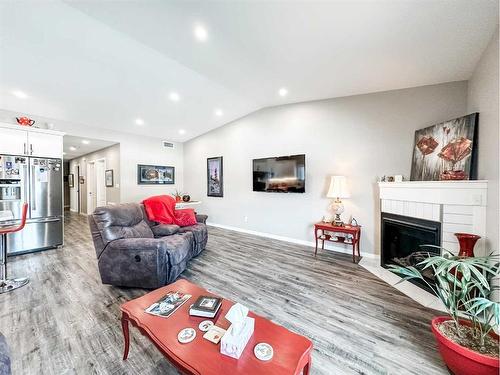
(178, 196)
(466, 338)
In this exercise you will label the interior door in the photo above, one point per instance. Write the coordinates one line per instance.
(90, 188)
(13, 141)
(100, 180)
(45, 145)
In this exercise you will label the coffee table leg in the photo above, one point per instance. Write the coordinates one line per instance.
(307, 367)
(126, 336)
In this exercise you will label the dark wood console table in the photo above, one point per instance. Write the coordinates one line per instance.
(322, 227)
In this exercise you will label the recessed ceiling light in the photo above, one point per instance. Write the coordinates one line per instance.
(200, 33)
(85, 142)
(174, 97)
(218, 112)
(139, 121)
(72, 148)
(182, 131)
(283, 91)
(19, 94)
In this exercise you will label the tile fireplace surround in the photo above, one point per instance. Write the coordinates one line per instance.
(460, 206)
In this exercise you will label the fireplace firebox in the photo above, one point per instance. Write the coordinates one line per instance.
(402, 240)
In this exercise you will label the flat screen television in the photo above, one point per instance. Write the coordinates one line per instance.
(284, 174)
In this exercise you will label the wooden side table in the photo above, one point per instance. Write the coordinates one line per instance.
(355, 231)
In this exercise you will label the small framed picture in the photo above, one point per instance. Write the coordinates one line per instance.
(71, 180)
(215, 184)
(109, 178)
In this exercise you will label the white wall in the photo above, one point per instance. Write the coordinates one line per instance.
(362, 137)
(483, 98)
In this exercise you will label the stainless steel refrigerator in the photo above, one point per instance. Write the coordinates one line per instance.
(38, 182)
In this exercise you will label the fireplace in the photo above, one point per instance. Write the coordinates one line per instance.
(402, 237)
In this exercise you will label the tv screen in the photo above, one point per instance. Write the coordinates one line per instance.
(284, 174)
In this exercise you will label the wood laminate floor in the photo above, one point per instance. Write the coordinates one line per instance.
(66, 322)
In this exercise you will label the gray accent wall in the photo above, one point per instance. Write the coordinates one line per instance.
(483, 98)
(362, 137)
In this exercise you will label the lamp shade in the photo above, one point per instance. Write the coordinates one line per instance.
(338, 187)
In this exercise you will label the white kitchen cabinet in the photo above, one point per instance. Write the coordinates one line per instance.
(13, 141)
(45, 145)
(16, 140)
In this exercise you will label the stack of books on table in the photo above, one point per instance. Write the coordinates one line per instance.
(206, 306)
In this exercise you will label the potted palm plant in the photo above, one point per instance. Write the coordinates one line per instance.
(466, 337)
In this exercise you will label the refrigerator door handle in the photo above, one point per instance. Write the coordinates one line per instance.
(24, 148)
(31, 148)
(33, 189)
(51, 220)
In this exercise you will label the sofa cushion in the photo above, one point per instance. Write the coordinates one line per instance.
(121, 221)
(161, 230)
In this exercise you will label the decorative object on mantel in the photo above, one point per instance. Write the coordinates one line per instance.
(467, 242)
(354, 222)
(25, 121)
(466, 338)
(446, 151)
(186, 198)
(215, 184)
(398, 178)
(395, 178)
(337, 190)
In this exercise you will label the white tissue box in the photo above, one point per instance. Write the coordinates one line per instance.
(233, 345)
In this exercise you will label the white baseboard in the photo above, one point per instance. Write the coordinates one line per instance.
(73, 210)
(291, 240)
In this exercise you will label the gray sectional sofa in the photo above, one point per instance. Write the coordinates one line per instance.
(135, 252)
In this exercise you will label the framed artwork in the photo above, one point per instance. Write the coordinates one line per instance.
(108, 176)
(155, 175)
(71, 180)
(215, 185)
(446, 151)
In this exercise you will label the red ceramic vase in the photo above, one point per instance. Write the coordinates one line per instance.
(467, 242)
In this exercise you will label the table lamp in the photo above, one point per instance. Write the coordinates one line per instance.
(337, 190)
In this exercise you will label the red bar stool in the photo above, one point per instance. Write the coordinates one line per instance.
(7, 285)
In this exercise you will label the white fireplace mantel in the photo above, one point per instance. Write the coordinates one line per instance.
(460, 206)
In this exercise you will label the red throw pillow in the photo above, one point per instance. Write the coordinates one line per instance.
(185, 217)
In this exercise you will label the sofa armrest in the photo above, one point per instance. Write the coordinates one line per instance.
(201, 218)
(162, 230)
(134, 244)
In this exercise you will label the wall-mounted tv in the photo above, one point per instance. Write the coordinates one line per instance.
(284, 174)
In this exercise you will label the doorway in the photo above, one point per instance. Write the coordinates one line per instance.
(96, 184)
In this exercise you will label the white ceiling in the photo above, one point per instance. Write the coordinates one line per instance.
(104, 64)
(83, 146)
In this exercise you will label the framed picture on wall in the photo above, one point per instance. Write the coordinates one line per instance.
(155, 175)
(109, 178)
(446, 151)
(215, 184)
(71, 180)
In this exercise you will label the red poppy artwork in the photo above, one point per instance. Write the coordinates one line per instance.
(446, 151)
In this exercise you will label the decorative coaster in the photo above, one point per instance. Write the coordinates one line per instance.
(186, 335)
(263, 351)
(205, 325)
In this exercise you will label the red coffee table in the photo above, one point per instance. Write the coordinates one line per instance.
(292, 352)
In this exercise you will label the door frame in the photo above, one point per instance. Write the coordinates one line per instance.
(103, 182)
(92, 182)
